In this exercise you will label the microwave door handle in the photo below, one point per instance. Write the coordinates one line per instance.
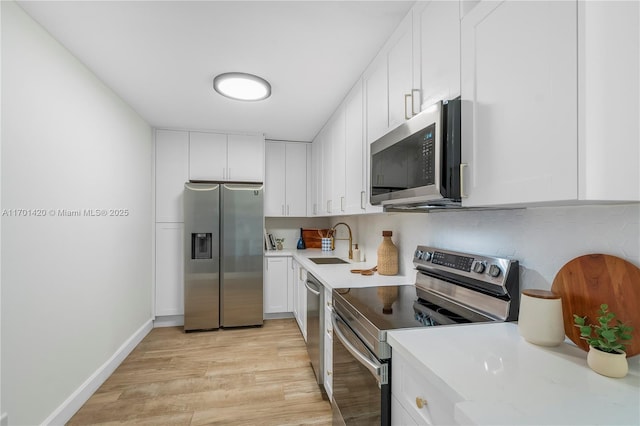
(375, 368)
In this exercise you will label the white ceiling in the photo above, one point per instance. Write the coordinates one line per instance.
(161, 57)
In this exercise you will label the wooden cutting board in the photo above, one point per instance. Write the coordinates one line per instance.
(312, 238)
(587, 281)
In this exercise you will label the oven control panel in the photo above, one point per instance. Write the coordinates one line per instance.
(490, 270)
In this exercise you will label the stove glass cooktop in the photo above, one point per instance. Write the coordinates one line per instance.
(395, 307)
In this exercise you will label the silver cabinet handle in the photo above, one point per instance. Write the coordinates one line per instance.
(362, 200)
(406, 98)
(462, 167)
(342, 204)
(413, 102)
(229, 173)
(287, 209)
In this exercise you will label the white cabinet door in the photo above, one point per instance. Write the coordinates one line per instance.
(245, 158)
(169, 269)
(316, 176)
(400, 66)
(302, 301)
(377, 105)
(519, 102)
(275, 179)
(286, 179)
(326, 207)
(276, 285)
(207, 156)
(439, 23)
(338, 162)
(172, 171)
(355, 152)
(609, 100)
(296, 179)
(328, 343)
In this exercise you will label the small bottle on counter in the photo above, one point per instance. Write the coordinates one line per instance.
(356, 253)
(387, 255)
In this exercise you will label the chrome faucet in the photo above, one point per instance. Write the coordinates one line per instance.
(350, 237)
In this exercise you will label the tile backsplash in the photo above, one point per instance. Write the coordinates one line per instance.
(543, 239)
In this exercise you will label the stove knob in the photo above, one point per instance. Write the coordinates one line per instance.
(479, 267)
(426, 256)
(418, 254)
(494, 271)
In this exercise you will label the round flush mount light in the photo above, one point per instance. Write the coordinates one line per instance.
(242, 86)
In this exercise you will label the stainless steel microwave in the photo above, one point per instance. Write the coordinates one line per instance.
(418, 163)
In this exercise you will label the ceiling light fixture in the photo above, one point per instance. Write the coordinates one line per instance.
(242, 86)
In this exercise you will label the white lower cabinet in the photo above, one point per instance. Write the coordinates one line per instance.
(328, 343)
(169, 269)
(423, 400)
(276, 284)
(300, 297)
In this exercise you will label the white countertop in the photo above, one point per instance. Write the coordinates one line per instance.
(340, 276)
(504, 380)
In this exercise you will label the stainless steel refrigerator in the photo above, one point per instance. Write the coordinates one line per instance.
(223, 264)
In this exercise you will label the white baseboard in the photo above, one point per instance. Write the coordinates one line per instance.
(168, 321)
(73, 403)
(278, 315)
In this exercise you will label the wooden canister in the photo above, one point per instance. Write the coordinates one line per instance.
(540, 319)
(387, 255)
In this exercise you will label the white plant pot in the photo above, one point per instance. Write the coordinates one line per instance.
(608, 364)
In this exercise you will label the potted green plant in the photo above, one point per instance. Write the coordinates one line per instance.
(606, 342)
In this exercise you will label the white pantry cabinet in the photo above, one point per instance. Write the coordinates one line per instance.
(519, 102)
(169, 269)
(172, 171)
(222, 157)
(285, 179)
(276, 284)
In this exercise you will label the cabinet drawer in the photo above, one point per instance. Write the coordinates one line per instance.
(424, 401)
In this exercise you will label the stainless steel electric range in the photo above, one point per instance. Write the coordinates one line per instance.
(451, 288)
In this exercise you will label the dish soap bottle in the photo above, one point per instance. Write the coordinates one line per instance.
(356, 253)
(387, 255)
(301, 245)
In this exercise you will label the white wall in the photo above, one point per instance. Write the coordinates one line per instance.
(542, 239)
(74, 289)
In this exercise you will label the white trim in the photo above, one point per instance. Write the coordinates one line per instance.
(73, 403)
(168, 321)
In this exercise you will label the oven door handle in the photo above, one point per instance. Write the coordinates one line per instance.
(376, 368)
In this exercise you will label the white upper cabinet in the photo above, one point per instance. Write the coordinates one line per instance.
(338, 162)
(222, 157)
(355, 152)
(390, 83)
(207, 156)
(439, 24)
(609, 100)
(285, 179)
(172, 171)
(550, 102)
(316, 176)
(519, 102)
(245, 158)
(326, 173)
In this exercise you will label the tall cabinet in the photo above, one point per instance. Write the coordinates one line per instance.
(181, 156)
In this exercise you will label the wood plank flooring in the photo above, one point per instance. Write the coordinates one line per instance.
(245, 376)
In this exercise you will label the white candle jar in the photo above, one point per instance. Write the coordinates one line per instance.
(540, 319)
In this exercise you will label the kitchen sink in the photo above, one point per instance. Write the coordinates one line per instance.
(327, 260)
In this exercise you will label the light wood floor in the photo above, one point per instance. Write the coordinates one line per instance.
(246, 376)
